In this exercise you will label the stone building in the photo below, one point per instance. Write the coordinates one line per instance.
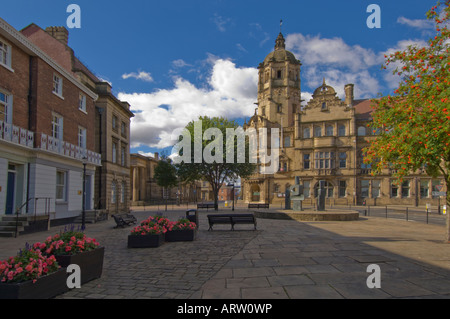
(111, 119)
(322, 141)
(145, 190)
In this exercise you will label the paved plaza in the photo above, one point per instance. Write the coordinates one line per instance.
(283, 259)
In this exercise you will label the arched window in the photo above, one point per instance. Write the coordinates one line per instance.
(329, 189)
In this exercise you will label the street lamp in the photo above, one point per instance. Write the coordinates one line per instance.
(232, 184)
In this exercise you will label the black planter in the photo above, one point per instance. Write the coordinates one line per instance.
(180, 235)
(45, 287)
(145, 241)
(90, 262)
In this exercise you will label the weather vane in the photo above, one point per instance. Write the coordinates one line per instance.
(281, 23)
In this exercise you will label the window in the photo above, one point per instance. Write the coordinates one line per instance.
(361, 131)
(342, 159)
(5, 54)
(122, 156)
(122, 192)
(114, 122)
(306, 132)
(341, 130)
(82, 103)
(287, 141)
(279, 74)
(57, 85)
(113, 192)
(324, 160)
(342, 188)
(263, 111)
(317, 131)
(329, 189)
(82, 137)
(365, 188)
(436, 185)
(329, 130)
(114, 152)
(123, 129)
(61, 180)
(424, 188)
(394, 190)
(405, 189)
(5, 107)
(279, 109)
(57, 127)
(306, 161)
(376, 185)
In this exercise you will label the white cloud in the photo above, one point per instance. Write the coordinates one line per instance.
(231, 93)
(416, 23)
(336, 61)
(180, 63)
(392, 80)
(144, 76)
(221, 22)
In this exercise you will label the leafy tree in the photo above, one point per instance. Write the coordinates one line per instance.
(166, 174)
(218, 168)
(415, 120)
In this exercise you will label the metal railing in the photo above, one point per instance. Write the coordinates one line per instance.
(46, 210)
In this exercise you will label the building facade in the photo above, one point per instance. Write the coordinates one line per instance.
(323, 141)
(145, 190)
(111, 119)
(46, 133)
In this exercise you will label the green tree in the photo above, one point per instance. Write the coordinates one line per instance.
(414, 121)
(166, 175)
(219, 167)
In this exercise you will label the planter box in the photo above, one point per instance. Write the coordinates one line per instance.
(180, 235)
(145, 241)
(44, 288)
(90, 262)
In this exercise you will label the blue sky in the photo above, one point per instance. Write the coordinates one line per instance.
(176, 60)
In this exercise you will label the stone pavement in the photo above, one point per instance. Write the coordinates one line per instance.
(283, 259)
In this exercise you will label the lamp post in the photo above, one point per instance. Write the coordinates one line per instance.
(232, 184)
(83, 213)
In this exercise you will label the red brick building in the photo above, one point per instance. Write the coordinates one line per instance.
(47, 130)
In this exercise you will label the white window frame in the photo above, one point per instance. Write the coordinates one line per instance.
(82, 103)
(57, 85)
(6, 55)
(63, 186)
(57, 126)
(7, 103)
(82, 137)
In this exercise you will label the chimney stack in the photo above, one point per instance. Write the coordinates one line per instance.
(59, 33)
(349, 94)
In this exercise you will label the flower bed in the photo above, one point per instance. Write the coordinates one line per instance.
(181, 230)
(39, 270)
(153, 231)
(31, 275)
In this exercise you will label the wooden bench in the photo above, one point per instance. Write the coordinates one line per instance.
(206, 205)
(231, 219)
(123, 220)
(258, 206)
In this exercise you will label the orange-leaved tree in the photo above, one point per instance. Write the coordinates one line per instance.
(414, 122)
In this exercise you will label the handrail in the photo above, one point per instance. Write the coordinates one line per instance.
(47, 210)
(17, 214)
